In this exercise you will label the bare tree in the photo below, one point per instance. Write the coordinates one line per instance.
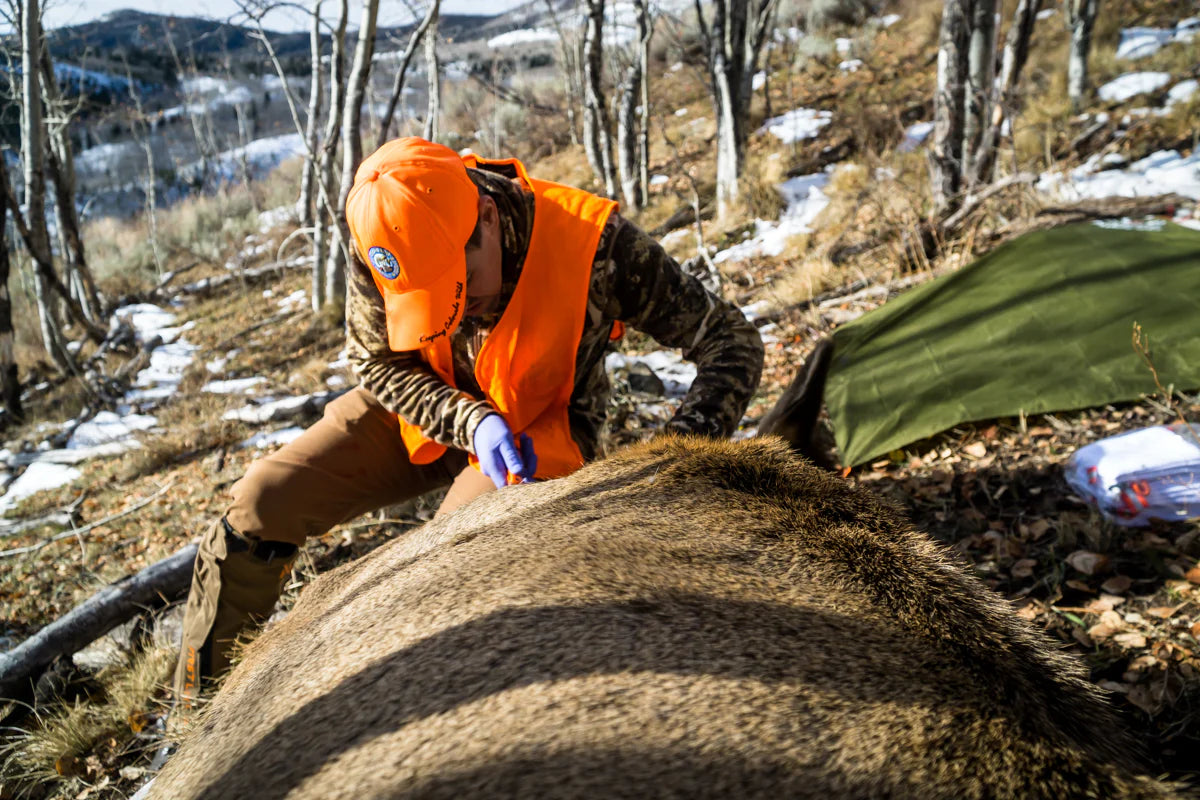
(49, 289)
(339, 255)
(1081, 16)
(632, 136)
(312, 123)
(10, 385)
(324, 224)
(433, 74)
(141, 132)
(1016, 52)
(60, 161)
(568, 57)
(981, 60)
(398, 79)
(645, 32)
(946, 158)
(200, 122)
(733, 40)
(597, 141)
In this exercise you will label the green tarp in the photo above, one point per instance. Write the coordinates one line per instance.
(1043, 323)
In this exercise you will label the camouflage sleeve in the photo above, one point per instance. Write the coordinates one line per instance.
(648, 290)
(401, 381)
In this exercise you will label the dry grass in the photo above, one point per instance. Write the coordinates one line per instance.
(66, 750)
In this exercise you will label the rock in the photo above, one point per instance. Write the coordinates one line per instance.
(643, 379)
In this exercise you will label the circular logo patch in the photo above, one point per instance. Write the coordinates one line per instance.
(384, 262)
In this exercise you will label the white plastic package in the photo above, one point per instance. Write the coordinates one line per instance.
(1150, 473)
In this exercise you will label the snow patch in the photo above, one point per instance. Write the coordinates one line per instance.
(160, 379)
(260, 441)
(805, 200)
(1138, 43)
(234, 385)
(527, 36)
(915, 135)
(1159, 173)
(797, 124)
(1131, 85)
(1182, 92)
(38, 477)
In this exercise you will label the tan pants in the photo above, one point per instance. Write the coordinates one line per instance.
(350, 462)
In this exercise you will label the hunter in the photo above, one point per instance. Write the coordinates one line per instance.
(480, 306)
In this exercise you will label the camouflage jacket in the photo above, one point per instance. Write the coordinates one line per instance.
(633, 280)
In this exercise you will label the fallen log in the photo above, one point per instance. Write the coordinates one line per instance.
(160, 582)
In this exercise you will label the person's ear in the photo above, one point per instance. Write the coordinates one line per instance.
(489, 215)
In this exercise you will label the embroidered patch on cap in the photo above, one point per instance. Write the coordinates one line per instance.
(384, 262)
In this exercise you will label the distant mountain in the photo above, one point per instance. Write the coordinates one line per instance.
(139, 43)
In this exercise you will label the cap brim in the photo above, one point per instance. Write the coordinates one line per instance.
(418, 318)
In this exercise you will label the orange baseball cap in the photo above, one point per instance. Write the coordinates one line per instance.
(410, 211)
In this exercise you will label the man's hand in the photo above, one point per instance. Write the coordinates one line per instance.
(497, 451)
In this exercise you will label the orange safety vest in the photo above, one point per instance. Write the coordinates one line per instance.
(526, 367)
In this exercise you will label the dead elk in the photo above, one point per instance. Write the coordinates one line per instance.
(686, 618)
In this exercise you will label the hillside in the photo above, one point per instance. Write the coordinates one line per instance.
(226, 360)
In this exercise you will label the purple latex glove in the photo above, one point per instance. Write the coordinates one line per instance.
(498, 454)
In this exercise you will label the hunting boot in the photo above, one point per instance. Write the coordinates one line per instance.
(235, 584)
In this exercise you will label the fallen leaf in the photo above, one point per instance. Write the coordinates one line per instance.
(1079, 586)
(1101, 631)
(1088, 563)
(1133, 639)
(1193, 575)
(976, 449)
(1030, 612)
(138, 720)
(1038, 528)
(131, 773)
(1024, 568)
(69, 766)
(1112, 618)
(1105, 602)
(1117, 584)
(1196, 630)
(1164, 612)
(1144, 698)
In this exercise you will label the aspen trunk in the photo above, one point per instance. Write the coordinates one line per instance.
(946, 151)
(981, 60)
(433, 74)
(645, 31)
(305, 211)
(734, 41)
(325, 270)
(10, 385)
(597, 140)
(33, 157)
(335, 273)
(1016, 52)
(627, 140)
(1082, 16)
